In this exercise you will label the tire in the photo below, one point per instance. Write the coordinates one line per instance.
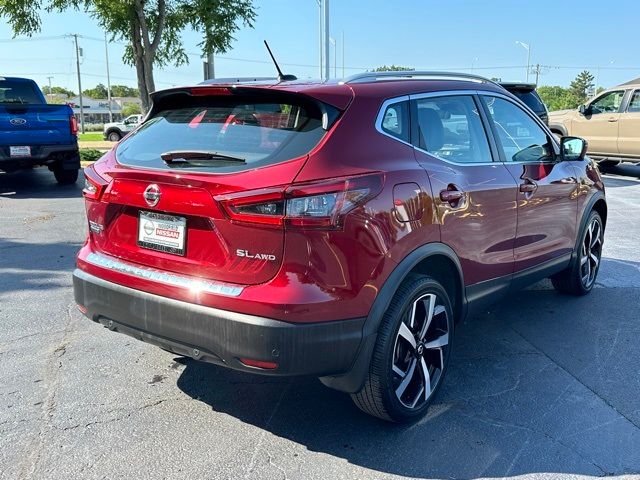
(65, 177)
(580, 276)
(396, 388)
(114, 136)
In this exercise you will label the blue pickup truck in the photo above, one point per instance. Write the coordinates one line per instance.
(34, 133)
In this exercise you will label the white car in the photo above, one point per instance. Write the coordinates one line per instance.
(116, 130)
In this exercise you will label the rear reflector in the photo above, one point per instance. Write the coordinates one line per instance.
(259, 364)
(82, 308)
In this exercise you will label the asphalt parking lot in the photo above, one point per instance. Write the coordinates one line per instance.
(541, 385)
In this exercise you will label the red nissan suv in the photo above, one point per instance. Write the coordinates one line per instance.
(338, 229)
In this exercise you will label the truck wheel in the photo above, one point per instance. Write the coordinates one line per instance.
(114, 137)
(65, 177)
(411, 352)
(580, 276)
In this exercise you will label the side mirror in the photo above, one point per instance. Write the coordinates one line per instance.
(584, 109)
(573, 148)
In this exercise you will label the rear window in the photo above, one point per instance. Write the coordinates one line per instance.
(531, 100)
(221, 134)
(12, 91)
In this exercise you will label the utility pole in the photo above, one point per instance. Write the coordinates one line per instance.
(75, 37)
(106, 55)
(327, 66)
(536, 70)
(50, 92)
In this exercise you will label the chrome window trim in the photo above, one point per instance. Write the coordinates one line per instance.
(167, 278)
(450, 93)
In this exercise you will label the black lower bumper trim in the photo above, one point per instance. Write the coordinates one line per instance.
(220, 336)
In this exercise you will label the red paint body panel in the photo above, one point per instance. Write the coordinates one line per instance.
(336, 273)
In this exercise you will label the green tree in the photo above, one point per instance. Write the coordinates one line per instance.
(582, 84)
(58, 90)
(99, 91)
(130, 109)
(151, 29)
(393, 68)
(124, 91)
(558, 98)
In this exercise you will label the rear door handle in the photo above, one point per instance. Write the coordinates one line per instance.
(612, 120)
(452, 195)
(528, 186)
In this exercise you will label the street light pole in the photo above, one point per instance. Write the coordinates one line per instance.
(327, 67)
(320, 35)
(106, 56)
(528, 48)
(343, 54)
(335, 56)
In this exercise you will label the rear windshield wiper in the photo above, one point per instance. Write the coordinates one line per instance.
(179, 156)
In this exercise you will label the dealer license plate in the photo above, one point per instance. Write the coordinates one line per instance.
(165, 233)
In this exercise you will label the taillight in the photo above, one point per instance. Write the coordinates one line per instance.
(73, 125)
(94, 184)
(310, 205)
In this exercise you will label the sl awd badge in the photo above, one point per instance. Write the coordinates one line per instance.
(255, 256)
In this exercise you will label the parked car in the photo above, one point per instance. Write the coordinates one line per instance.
(33, 133)
(609, 122)
(339, 230)
(116, 130)
(529, 96)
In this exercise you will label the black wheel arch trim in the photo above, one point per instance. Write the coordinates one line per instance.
(352, 381)
(558, 127)
(584, 217)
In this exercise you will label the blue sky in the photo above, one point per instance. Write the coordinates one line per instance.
(565, 35)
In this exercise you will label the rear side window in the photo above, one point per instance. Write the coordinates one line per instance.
(221, 134)
(395, 120)
(450, 128)
(531, 100)
(634, 104)
(12, 91)
(521, 138)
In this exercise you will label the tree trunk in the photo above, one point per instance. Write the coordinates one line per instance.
(138, 54)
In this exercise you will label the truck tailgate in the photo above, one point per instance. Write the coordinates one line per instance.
(29, 124)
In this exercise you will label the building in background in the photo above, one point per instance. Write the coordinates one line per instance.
(96, 111)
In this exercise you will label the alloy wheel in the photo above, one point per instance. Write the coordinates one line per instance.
(420, 351)
(591, 253)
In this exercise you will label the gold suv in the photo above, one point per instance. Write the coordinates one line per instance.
(610, 123)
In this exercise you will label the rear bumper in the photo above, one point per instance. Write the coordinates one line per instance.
(219, 336)
(66, 155)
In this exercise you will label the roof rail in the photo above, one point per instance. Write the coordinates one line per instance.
(234, 80)
(413, 75)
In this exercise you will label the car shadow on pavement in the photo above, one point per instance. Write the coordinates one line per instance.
(622, 169)
(37, 183)
(533, 387)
